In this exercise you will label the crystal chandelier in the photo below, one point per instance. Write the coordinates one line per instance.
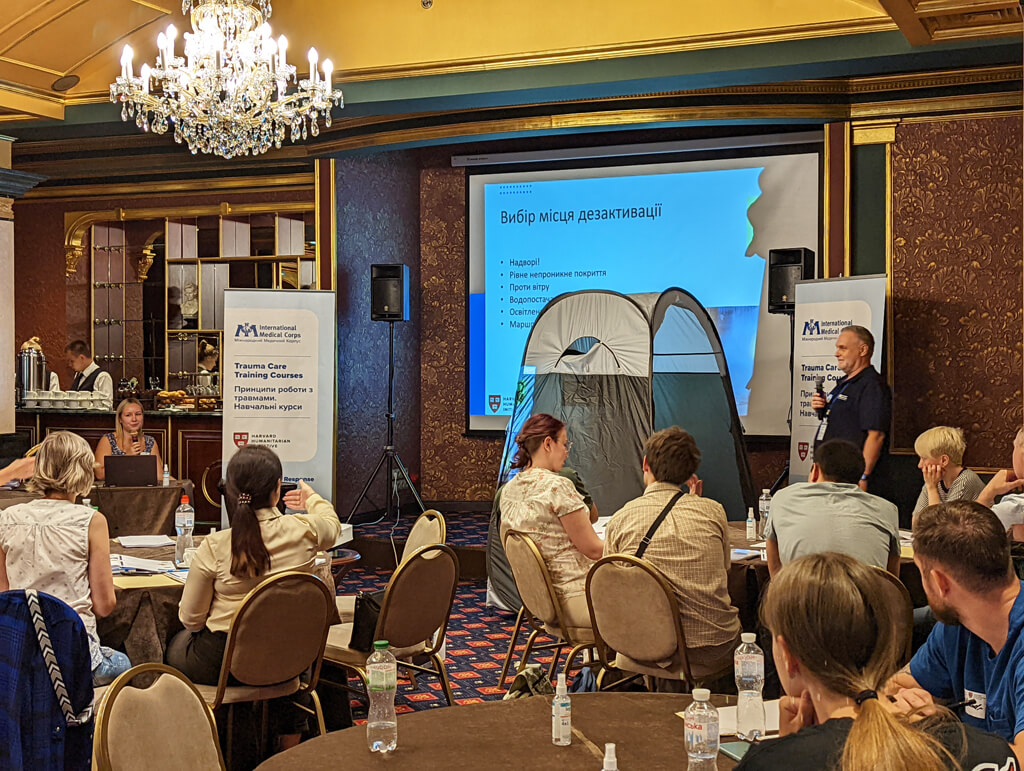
(229, 94)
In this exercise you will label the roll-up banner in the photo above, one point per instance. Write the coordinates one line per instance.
(278, 376)
(823, 308)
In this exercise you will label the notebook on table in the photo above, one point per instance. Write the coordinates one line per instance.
(130, 471)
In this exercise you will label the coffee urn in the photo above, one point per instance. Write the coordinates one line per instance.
(31, 372)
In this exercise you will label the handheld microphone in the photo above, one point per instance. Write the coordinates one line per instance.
(819, 389)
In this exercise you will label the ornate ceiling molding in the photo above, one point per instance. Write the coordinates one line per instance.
(924, 22)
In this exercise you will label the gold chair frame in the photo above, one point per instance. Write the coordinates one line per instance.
(309, 686)
(527, 618)
(438, 669)
(100, 743)
(603, 649)
(907, 612)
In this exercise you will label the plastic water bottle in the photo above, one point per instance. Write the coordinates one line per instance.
(561, 715)
(167, 476)
(764, 505)
(611, 763)
(701, 721)
(184, 522)
(751, 526)
(749, 665)
(382, 721)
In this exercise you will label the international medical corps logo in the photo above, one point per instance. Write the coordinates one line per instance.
(246, 330)
(812, 328)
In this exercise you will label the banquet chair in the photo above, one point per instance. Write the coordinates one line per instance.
(275, 647)
(542, 610)
(413, 617)
(429, 528)
(635, 614)
(899, 598)
(133, 730)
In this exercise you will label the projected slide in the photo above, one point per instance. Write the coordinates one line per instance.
(627, 229)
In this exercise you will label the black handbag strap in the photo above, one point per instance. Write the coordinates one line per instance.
(646, 540)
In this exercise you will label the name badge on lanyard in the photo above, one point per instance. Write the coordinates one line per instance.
(822, 429)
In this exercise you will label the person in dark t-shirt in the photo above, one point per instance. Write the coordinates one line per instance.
(835, 644)
(859, 408)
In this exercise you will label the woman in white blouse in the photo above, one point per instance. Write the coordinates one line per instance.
(57, 546)
(546, 506)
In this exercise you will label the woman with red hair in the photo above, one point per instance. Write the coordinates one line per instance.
(540, 503)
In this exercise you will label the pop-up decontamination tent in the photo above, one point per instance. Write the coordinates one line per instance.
(615, 368)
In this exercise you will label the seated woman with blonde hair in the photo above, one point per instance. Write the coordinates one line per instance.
(836, 643)
(127, 437)
(544, 505)
(60, 547)
(941, 452)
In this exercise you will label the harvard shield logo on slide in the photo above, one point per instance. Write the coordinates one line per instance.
(802, 448)
(494, 402)
(241, 438)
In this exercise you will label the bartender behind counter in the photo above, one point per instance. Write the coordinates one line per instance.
(88, 375)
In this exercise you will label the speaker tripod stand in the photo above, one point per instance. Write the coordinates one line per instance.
(389, 457)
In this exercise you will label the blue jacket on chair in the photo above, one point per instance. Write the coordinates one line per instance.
(33, 732)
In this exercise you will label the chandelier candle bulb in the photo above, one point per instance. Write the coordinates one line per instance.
(144, 76)
(282, 49)
(313, 56)
(328, 72)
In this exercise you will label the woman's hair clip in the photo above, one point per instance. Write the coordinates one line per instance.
(244, 498)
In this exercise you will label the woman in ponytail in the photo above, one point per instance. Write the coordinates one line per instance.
(835, 645)
(546, 506)
(260, 542)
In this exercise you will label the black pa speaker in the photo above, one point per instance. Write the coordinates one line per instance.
(389, 292)
(785, 268)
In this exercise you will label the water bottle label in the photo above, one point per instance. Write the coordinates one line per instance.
(701, 733)
(749, 665)
(382, 677)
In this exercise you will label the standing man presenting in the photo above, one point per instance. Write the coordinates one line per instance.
(859, 408)
(88, 375)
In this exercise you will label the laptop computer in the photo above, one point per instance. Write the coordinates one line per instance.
(130, 471)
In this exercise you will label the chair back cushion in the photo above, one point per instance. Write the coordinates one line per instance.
(531, 577)
(632, 612)
(279, 630)
(165, 726)
(428, 529)
(419, 597)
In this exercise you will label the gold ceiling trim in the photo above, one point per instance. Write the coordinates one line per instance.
(940, 104)
(961, 116)
(30, 66)
(77, 224)
(874, 132)
(278, 183)
(609, 118)
(49, 20)
(933, 21)
(620, 51)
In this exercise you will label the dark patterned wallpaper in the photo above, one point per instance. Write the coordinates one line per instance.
(377, 221)
(455, 467)
(956, 284)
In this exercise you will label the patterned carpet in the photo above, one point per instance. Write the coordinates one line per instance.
(477, 641)
(467, 529)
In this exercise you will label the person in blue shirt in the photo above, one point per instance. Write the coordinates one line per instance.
(974, 657)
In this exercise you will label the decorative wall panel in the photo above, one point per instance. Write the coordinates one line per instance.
(455, 467)
(956, 282)
(377, 216)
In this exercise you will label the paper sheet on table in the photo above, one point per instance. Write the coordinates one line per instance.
(906, 537)
(744, 554)
(123, 563)
(759, 545)
(179, 575)
(144, 541)
(600, 525)
(727, 719)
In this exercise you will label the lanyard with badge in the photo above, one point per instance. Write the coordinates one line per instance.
(831, 403)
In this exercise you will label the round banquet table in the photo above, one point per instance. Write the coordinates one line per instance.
(515, 734)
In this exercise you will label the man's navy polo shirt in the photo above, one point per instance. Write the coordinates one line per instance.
(858, 405)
